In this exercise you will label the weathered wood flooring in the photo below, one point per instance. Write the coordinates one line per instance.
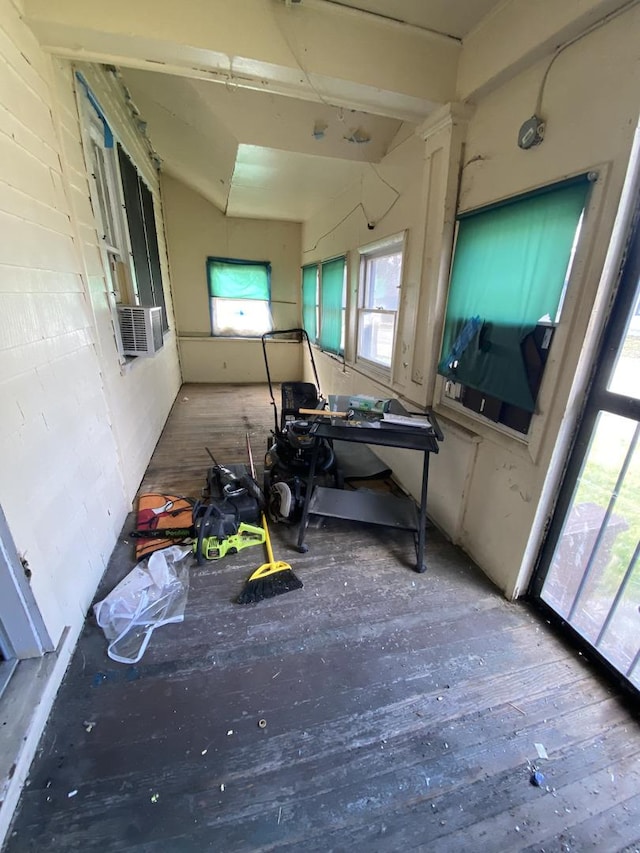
(401, 709)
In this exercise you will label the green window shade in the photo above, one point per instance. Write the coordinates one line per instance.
(331, 290)
(508, 272)
(238, 279)
(309, 300)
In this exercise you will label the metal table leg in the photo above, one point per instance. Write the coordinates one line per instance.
(420, 564)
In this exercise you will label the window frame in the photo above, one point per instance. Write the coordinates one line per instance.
(143, 258)
(106, 195)
(396, 244)
(267, 302)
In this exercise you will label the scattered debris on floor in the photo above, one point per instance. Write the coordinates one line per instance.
(222, 787)
(537, 779)
(155, 797)
(89, 725)
(262, 724)
(542, 752)
(230, 732)
(72, 793)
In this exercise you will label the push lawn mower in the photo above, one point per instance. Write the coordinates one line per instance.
(288, 457)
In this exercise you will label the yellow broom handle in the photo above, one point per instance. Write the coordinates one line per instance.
(267, 538)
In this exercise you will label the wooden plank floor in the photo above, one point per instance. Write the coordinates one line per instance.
(402, 709)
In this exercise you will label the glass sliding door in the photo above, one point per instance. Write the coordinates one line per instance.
(590, 565)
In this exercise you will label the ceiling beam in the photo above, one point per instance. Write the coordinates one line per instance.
(315, 51)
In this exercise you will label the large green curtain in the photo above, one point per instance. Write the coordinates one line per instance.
(238, 279)
(331, 295)
(309, 300)
(508, 273)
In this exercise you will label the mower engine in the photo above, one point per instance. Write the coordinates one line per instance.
(287, 465)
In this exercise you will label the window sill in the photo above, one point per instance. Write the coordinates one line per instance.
(362, 368)
(207, 336)
(484, 428)
(374, 371)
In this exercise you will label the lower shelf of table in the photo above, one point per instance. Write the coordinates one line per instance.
(370, 507)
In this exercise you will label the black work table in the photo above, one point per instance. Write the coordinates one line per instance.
(365, 506)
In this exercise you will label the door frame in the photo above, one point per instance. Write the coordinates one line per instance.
(23, 633)
(597, 399)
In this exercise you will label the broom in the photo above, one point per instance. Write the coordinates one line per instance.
(272, 578)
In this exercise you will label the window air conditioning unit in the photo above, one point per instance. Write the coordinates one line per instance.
(140, 329)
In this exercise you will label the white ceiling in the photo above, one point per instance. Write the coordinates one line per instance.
(265, 180)
(255, 153)
(450, 17)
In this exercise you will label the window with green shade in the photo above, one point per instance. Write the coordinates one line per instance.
(239, 296)
(509, 273)
(332, 304)
(310, 301)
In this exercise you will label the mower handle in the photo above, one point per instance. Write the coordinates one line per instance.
(303, 337)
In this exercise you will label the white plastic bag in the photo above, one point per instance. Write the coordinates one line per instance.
(151, 595)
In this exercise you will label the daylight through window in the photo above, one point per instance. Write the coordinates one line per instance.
(239, 294)
(380, 282)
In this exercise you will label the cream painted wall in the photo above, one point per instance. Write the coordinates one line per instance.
(486, 485)
(76, 431)
(196, 229)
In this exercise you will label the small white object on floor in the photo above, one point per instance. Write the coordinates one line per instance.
(542, 752)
